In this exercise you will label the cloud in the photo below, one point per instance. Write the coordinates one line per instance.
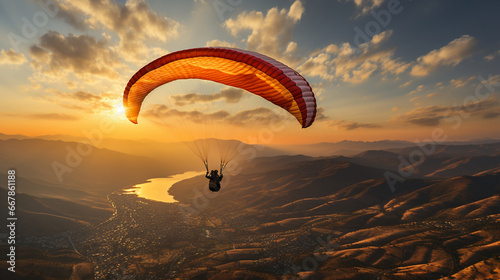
(366, 5)
(434, 115)
(417, 89)
(317, 66)
(134, 22)
(164, 113)
(449, 55)
(45, 116)
(84, 101)
(458, 83)
(230, 95)
(261, 116)
(319, 89)
(54, 116)
(493, 80)
(291, 48)
(492, 114)
(11, 57)
(381, 37)
(428, 116)
(84, 56)
(350, 125)
(271, 33)
(415, 98)
(353, 65)
(406, 84)
(320, 114)
(218, 43)
(492, 56)
(332, 48)
(71, 16)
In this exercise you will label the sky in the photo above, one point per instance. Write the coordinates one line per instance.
(380, 69)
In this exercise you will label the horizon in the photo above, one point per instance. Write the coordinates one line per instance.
(62, 137)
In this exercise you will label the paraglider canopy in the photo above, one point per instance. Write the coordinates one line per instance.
(251, 71)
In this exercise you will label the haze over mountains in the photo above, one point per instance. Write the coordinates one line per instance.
(149, 147)
(437, 221)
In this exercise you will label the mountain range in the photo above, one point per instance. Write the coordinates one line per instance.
(440, 220)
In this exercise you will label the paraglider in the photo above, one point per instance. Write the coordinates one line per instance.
(251, 71)
(214, 184)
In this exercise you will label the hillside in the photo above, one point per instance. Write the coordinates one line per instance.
(425, 229)
(275, 214)
(46, 205)
(443, 162)
(44, 216)
(76, 166)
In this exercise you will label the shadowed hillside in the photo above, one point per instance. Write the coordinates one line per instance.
(82, 167)
(43, 216)
(443, 162)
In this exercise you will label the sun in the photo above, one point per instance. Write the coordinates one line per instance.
(118, 111)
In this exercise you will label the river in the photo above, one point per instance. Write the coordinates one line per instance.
(157, 188)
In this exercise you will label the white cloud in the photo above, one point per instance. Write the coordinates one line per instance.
(354, 65)
(218, 43)
(332, 49)
(296, 11)
(271, 34)
(449, 55)
(11, 57)
(381, 37)
(317, 66)
(291, 48)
